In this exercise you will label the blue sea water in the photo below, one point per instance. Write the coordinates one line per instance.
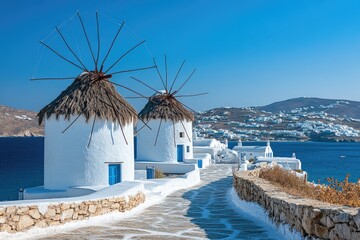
(320, 159)
(22, 161)
(21, 165)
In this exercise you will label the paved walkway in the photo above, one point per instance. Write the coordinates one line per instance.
(202, 212)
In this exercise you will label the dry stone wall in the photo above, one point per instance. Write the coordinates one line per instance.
(19, 218)
(313, 219)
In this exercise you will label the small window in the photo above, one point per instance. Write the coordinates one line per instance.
(187, 148)
(181, 134)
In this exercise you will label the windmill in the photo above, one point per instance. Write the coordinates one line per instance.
(89, 126)
(170, 120)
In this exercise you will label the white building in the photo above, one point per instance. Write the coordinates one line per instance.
(170, 138)
(88, 139)
(250, 152)
(287, 162)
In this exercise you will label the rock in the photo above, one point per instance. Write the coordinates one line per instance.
(343, 231)
(65, 206)
(341, 218)
(67, 214)
(321, 231)
(6, 228)
(92, 208)
(2, 220)
(22, 210)
(307, 224)
(15, 218)
(333, 235)
(355, 236)
(2, 211)
(24, 222)
(315, 213)
(357, 220)
(50, 213)
(10, 210)
(34, 213)
(41, 224)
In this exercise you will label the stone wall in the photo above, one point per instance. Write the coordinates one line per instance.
(313, 219)
(22, 217)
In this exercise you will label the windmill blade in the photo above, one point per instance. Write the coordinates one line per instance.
(157, 69)
(185, 131)
(127, 108)
(86, 36)
(177, 74)
(98, 38)
(132, 70)
(146, 85)
(185, 81)
(142, 127)
(192, 95)
(184, 112)
(122, 56)
(112, 44)
(131, 97)
(62, 57)
(166, 75)
(52, 78)
(188, 107)
(116, 84)
(157, 134)
(68, 46)
(121, 127)
(92, 130)
(174, 132)
(71, 123)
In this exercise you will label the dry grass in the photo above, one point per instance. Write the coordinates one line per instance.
(336, 192)
(159, 174)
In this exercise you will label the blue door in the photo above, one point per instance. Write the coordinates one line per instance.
(114, 173)
(180, 153)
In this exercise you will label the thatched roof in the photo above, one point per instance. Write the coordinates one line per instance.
(165, 106)
(90, 95)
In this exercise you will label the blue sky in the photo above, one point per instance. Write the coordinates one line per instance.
(247, 53)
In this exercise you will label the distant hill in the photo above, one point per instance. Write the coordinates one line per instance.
(15, 122)
(341, 108)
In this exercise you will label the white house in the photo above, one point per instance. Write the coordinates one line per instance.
(287, 162)
(170, 138)
(250, 152)
(88, 139)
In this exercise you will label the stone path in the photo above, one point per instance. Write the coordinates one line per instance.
(202, 212)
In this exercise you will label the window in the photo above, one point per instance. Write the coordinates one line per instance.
(187, 148)
(181, 134)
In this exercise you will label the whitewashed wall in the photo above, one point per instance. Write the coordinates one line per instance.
(165, 149)
(68, 162)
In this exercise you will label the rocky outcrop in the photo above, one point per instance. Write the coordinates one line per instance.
(313, 219)
(19, 218)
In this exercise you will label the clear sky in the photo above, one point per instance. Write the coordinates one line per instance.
(247, 53)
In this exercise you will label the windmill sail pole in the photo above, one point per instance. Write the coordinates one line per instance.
(177, 74)
(98, 41)
(86, 36)
(67, 60)
(68, 46)
(111, 45)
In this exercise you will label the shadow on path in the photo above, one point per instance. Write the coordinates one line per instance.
(211, 211)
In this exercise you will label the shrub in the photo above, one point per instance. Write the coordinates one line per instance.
(159, 174)
(336, 192)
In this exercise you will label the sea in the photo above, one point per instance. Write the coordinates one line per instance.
(22, 161)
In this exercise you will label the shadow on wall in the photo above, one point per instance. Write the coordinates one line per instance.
(211, 211)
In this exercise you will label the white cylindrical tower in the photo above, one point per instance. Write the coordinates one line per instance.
(89, 139)
(170, 136)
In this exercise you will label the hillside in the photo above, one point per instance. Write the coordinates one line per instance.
(299, 119)
(342, 108)
(14, 122)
